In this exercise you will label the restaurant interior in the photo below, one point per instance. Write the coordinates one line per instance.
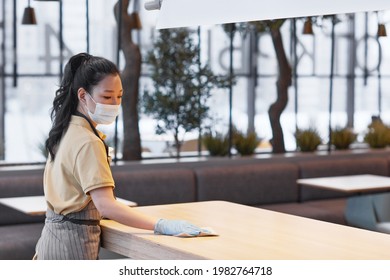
(282, 134)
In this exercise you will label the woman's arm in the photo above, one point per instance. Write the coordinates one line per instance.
(108, 207)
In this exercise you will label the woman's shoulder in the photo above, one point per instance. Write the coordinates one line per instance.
(80, 135)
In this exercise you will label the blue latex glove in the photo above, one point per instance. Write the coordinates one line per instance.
(176, 227)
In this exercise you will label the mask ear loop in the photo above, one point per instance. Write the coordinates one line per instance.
(90, 96)
(85, 103)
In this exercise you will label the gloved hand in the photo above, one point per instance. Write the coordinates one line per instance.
(176, 227)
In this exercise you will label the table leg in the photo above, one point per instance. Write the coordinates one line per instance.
(360, 212)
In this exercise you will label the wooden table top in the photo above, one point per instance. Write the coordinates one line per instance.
(350, 183)
(245, 233)
(36, 205)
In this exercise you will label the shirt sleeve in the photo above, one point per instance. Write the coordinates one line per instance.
(91, 168)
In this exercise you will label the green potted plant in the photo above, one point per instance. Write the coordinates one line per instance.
(245, 144)
(178, 101)
(378, 135)
(216, 143)
(342, 138)
(307, 140)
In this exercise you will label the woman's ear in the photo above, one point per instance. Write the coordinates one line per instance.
(81, 94)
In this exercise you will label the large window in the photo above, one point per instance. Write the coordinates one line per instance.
(360, 84)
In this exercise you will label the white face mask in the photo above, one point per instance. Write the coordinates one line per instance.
(104, 113)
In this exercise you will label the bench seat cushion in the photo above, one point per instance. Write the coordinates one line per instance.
(17, 242)
(328, 210)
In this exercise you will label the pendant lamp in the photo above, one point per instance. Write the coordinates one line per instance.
(308, 27)
(136, 20)
(381, 30)
(29, 15)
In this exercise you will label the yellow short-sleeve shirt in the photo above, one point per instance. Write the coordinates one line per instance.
(80, 166)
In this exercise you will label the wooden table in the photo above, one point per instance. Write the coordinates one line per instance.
(36, 205)
(351, 183)
(245, 233)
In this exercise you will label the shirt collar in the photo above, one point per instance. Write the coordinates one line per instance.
(77, 120)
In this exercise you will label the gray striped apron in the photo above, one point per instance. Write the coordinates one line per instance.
(75, 236)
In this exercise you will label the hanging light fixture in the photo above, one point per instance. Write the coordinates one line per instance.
(29, 15)
(381, 26)
(136, 20)
(381, 30)
(308, 27)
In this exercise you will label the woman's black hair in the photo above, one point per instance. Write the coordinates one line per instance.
(82, 71)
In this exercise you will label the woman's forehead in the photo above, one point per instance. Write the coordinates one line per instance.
(111, 83)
